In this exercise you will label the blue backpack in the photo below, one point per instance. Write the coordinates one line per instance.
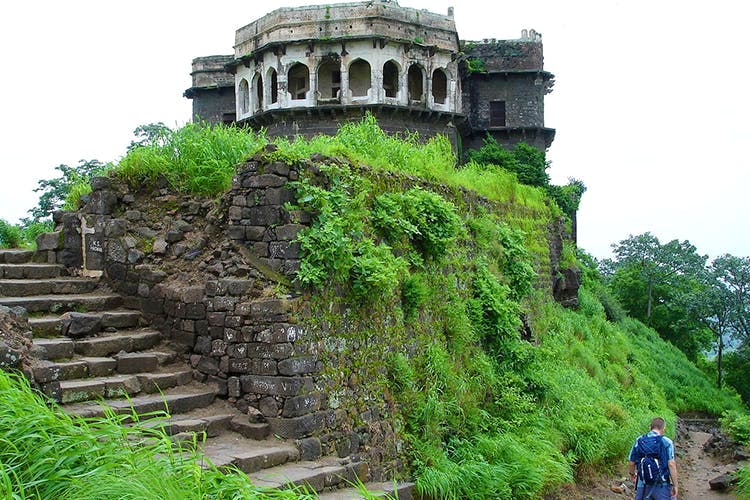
(652, 466)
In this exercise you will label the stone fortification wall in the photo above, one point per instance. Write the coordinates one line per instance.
(216, 279)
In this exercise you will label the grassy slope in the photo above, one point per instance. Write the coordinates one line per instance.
(483, 412)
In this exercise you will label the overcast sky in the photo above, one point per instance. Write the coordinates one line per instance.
(649, 104)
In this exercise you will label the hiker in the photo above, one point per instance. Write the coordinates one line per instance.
(652, 465)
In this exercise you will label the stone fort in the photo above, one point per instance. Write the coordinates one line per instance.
(306, 70)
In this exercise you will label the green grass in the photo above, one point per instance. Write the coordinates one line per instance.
(22, 236)
(45, 453)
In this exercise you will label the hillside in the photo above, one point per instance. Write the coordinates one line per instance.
(424, 294)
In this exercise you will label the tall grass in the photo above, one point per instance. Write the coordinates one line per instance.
(45, 453)
(197, 158)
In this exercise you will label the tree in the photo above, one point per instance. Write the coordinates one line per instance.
(527, 162)
(651, 280)
(55, 191)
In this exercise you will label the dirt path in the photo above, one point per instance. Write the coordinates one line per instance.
(696, 468)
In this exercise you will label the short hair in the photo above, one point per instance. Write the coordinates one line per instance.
(657, 424)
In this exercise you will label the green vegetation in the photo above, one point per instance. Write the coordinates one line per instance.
(475, 65)
(530, 168)
(21, 235)
(195, 158)
(45, 453)
(435, 280)
(414, 277)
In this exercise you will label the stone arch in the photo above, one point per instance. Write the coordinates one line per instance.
(257, 92)
(272, 79)
(439, 86)
(298, 81)
(415, 83)
(244, 96)
(329, 79)
(360, 78)
(391, 72)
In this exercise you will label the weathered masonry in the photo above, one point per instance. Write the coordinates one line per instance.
(306, 70)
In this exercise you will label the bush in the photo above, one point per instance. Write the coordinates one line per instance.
(11, 236)
(527, 162)
(737, 424)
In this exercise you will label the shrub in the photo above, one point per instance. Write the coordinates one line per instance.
(737, 424)
(11, 235)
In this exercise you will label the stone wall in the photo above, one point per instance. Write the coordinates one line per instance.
(217, 280)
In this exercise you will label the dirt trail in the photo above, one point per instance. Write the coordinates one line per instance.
(696, 468)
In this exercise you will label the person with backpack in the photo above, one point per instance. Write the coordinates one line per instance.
(652, 465)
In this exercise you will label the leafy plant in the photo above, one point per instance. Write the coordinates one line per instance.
(56, 192)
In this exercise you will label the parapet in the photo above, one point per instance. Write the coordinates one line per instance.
(210, 72)
(522, 54)
(381, 18)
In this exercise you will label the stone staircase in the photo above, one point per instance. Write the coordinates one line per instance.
(92, 351)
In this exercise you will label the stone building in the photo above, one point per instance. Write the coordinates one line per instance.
(306, 70)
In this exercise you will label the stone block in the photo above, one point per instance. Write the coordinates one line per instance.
(237, 286)
(298, 366)
(234, 387)
(276, 386)
(268, 308)
(202, 345)
(277, 196)
(298, 427)
(218, 348)
(235, 213)
(260, 249)
(278, 168)
(236, 232)
(250, 430)
(135, 362)
(301, 405)
(284, 250)
(263, 181)
(77, 325)
(280, 333)
(101, 203)
(100, 182)
(288, 232)
(272, 351)
(255, 233)
(174, 236)
(269, 407)
(49, 241)
(263, 216)
(310, 448)
(216, 318)
(207, 365)
(116, 251)
(116, 228)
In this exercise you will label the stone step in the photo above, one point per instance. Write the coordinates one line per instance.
(80, 367)
(90, 389)
(400, 491)
(62, 303)
(152, 383)
(108, 344)
(31, 271)
(46, 286)
(242, 425)
(212, 425)
(60, 348)
(177, 400)
(319, 475)
(248, 456)
(54, 348)
(51, 324)
(15, 255)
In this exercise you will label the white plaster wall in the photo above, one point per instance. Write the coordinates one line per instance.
(403, 55)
